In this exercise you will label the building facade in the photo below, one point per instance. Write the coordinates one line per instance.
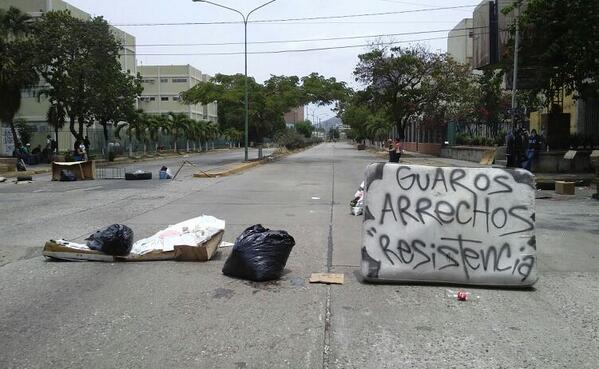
(294, 116)
(460, 42)
(34, 109)
(163, 85)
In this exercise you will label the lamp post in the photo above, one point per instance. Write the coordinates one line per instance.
(245, 24)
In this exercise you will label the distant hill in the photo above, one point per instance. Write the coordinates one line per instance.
(331, 123)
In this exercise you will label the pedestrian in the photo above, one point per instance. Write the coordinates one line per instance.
(532, 152)
(398, 149)
(391, 150)
(510, 151)
(86, 143)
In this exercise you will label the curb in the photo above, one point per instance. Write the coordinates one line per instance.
(224, 173)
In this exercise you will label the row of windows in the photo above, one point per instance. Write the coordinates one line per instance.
(162, 98)
(151, 81)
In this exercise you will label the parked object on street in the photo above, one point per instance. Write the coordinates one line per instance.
(471, 226)
(138, 175)
(116, 240)
(165, 173)
(83, 170)
(24, 179)
(327, 278)
(565, 188)
(259, 254)
(196, 239)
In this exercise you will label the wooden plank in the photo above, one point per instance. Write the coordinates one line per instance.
(488, 157)
(327, 278)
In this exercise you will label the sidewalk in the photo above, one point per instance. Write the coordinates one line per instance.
(544, 180)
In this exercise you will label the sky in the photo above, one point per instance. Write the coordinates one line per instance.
(338, 63)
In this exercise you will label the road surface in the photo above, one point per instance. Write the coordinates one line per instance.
(189, 315)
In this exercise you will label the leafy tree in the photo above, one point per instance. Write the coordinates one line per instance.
(17, 64)
(305, 128)
(559, 47)
(79, 62)
(56, 118)
(268, 102)
(178, 126)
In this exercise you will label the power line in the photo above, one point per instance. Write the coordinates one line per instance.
(304, 40)
(286, 51)
(296, 19)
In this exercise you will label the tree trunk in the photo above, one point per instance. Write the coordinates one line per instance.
(56, 138)
(175, 150)
(145, 147)
(72, 127)
(130, 148)
(187, 143)
(13, 130)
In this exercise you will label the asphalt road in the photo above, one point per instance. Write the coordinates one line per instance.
(189, 315)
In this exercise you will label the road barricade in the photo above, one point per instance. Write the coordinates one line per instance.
(473, 226)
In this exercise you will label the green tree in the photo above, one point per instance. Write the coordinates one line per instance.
(79, 60)
(559, 47)
(178, 126)
(56, 118)
(17, 64)
(305, 128)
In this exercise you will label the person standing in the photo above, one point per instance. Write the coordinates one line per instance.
(532, 152)
(510, 151)
(391, 150)
(398, 149)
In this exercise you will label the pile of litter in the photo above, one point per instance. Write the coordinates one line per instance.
(357, 204)
(192, 240)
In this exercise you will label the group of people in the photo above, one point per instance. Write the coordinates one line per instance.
(523, 148)
(28, 156)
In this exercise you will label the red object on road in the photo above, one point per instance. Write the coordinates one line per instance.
(462, 296)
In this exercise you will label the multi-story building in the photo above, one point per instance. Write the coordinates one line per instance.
(460, 40)
(293, 116)
(163, 85)
(34, 109)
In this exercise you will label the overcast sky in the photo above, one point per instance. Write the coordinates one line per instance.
(330, 63)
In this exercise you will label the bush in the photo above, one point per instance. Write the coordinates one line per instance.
(292, 140)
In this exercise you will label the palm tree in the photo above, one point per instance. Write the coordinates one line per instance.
(178, 125)
(17, 67)
(212, 132)
(233, 136)
(378, 127)
(136, 127)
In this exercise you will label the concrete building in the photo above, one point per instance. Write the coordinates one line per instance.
(163, 85)
(33, 109)
(460, 42)
(293, 116)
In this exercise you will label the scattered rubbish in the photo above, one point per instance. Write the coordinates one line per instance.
(259, 254)
(2, 179)
(462, 296)
(116, 239)
(225, 244)
(165, 173)
(327, 278)
(67, 176)
(138, 175)
(357, 204)
(21, 167)
(565, 188)
(315, 198)
(195, 239)
(82, 170)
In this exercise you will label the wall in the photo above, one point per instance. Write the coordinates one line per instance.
(423, 148)
(459, 42)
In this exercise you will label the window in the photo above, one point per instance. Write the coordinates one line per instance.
(163, 80)
(179, 80)
(164, 98)
(176, 98)
(148, 80)
(152, 98)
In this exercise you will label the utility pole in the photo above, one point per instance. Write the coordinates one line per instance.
(245, 24)
(515, 76)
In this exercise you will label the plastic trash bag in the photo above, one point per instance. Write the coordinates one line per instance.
(259, 254)
(116, 240)
(67, 176)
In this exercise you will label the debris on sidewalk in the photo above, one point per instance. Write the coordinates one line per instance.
(259, 254)
(225, 244)
(327, 278)
(165, 173)
(462, 296)
(195, 239)
(357, 204)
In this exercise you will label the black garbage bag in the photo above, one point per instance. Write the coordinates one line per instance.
(259, 254)
(116, 240)
(67, 176)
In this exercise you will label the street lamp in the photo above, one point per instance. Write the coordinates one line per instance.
(245, 23)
